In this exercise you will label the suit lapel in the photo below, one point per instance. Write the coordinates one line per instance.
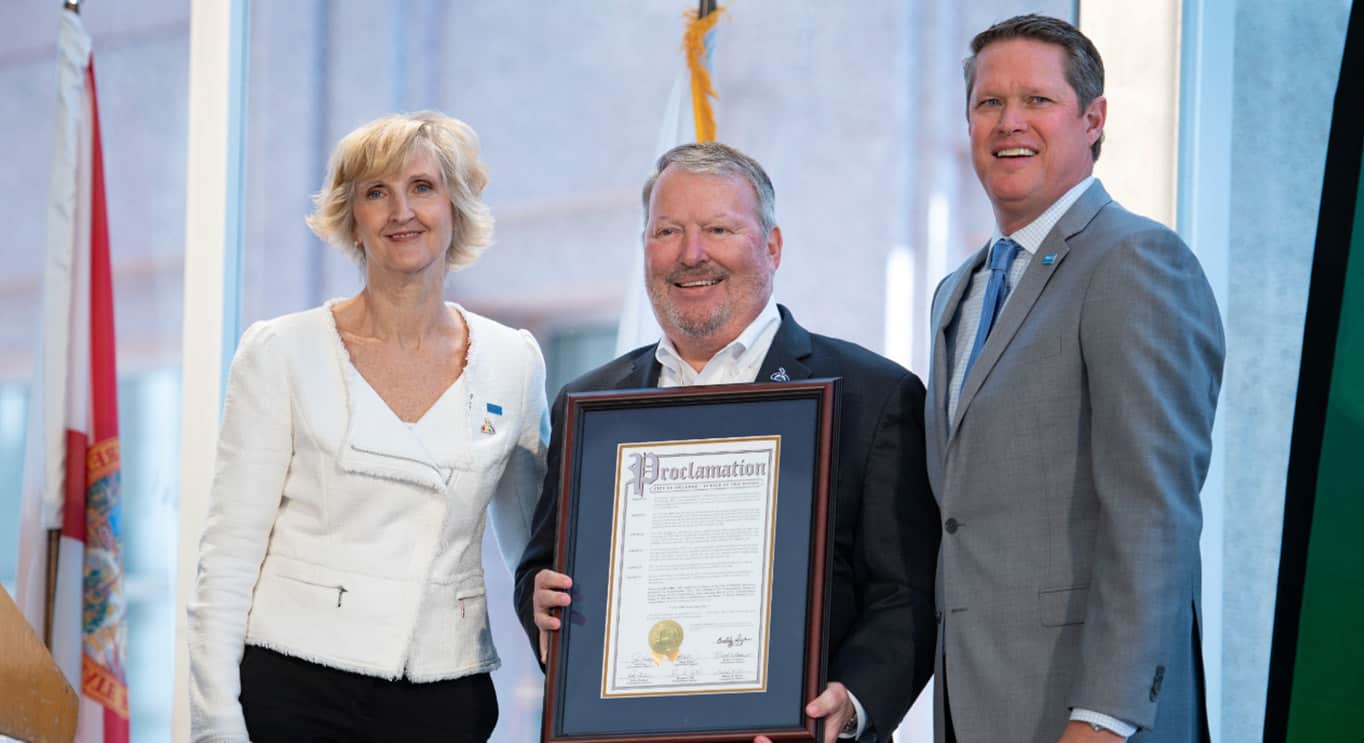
(939, 380)
(1020, 302)
(785, 359)
(1048, 258)
(641, 372)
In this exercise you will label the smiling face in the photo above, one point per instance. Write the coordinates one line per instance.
(1030, 142)
(708, 264)
(404, 220)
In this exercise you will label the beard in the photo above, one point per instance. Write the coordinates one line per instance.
(697, 324)
(706, 321)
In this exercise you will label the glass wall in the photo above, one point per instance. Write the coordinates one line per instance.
(13, 413)
(1286, 62)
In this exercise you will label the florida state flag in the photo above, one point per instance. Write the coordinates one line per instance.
(72, 593)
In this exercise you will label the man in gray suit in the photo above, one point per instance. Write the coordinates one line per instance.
(1076, 363)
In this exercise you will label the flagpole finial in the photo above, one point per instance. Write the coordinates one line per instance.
(72, 5)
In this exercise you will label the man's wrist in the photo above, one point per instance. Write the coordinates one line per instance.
(858, 721)
(1099, 721)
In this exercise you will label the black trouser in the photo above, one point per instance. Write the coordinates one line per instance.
(288, 699)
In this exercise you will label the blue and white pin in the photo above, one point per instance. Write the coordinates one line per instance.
(1048, 259)
(780, 375)
(492, 409)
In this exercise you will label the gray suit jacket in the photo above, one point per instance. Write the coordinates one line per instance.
(1069, 483)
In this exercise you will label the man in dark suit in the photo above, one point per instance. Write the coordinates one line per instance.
(1076, 364)
(712, 248)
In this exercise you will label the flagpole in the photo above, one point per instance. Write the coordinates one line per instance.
(54, 536)
(54, 543)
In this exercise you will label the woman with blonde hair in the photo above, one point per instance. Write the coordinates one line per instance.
(340, 589)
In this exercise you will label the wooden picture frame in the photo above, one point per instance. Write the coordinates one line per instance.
(790, 425)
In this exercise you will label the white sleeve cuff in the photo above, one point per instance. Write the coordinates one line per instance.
(861, 718)
(1124, 729)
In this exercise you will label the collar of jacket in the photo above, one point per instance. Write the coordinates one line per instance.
(788, 353)
(426, 453)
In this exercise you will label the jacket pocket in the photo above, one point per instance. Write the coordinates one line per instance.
(470, 592)
(336, 588)
(470, 585)
(471, 599)
(1058, 607)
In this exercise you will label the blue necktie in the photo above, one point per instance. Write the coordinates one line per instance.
(1001, 257)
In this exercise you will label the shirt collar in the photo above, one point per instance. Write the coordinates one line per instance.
(1031, 235)
(749, 343)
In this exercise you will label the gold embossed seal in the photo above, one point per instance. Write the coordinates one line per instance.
(665, 640)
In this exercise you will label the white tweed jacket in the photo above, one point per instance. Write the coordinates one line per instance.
(340, 534)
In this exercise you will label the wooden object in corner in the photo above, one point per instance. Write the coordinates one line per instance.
(39, 705)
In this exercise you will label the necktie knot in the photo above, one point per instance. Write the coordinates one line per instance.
(1003, 254)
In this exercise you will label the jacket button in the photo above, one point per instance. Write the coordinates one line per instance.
(951, 526)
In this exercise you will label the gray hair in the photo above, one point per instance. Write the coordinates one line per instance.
(714, 158)
(1084, 66)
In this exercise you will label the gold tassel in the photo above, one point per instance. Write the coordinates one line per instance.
(701, 91)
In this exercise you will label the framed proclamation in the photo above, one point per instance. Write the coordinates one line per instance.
(695, 524)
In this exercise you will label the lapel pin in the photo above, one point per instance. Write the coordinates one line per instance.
(494, 409)
(1048, 259)
(487, 426)
(780, 375)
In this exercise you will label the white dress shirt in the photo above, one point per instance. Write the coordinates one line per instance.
(736, 363)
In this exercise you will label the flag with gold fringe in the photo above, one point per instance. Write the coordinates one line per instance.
(687, 117)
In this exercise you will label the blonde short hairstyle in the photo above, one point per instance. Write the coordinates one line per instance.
(381, 147)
